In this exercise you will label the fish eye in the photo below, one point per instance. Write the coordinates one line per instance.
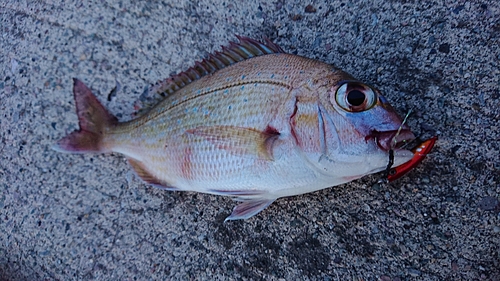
(355, 97)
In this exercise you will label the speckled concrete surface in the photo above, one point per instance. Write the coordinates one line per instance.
(74, 217)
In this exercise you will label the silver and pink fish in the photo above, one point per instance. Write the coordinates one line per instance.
(250, 122)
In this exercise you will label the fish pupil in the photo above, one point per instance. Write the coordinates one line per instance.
(355, 97)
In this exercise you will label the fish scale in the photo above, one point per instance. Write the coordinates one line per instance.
(250, 122)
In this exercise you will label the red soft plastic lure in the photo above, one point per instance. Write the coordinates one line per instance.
(419, 154)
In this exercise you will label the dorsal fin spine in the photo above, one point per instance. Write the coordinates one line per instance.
(238, 49)
(224, 56)
(201, 69)
(185, 78)
(213, 67)
(254, 49)
(235, 56)
(217, 61)
(244, 50)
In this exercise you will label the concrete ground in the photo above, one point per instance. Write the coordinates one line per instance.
(87, 217)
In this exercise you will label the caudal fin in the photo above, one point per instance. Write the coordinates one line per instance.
(93, 118)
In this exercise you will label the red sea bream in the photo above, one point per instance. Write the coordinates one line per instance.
(250, 122)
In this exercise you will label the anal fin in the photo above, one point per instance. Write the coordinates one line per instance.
(146, 176)
(249, 209)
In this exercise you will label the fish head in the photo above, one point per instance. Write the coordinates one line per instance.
(357, 129)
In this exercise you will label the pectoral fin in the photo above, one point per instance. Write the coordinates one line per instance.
(248, 209)
(239, 140)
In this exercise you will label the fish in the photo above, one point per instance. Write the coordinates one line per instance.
(251, 122)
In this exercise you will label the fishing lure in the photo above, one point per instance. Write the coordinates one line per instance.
(419, 153)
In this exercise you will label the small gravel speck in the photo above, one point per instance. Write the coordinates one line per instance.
(310, 9)
(444, 48)
(489, 203)
(425, 179)
(414, 272)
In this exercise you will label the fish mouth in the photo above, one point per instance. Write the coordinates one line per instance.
(395, 139)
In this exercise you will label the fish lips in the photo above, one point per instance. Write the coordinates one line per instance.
(394, 139)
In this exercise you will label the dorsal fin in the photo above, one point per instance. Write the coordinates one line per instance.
(246, 48)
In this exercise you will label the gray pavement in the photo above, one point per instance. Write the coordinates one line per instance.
(87, 217)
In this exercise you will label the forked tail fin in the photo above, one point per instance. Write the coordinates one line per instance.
(93, 119)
